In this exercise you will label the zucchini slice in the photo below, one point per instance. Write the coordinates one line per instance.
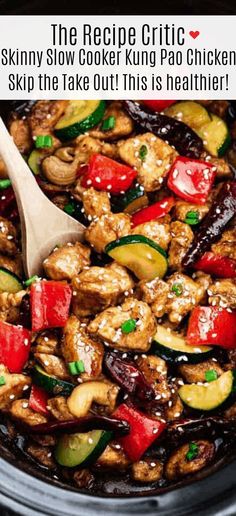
(81, 449)
(173, 348)
(215, 136)
(34, 161)
(9, 282)
(189, 112)
(51, 384)
(79, 117)
(209, 395)
(142, 256)
(131, 201)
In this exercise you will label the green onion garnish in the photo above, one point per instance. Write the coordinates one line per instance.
(108, 123)
(43, 141)
(76, 367)
(211, 375)
(128, 326)
(4, 183)
(192, 452)
(177, 288)
(192, 218)
(69, 208)
(143, 152)
(31, 280)
(2, 380)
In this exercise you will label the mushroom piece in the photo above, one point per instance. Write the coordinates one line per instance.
(82, 397)
(60, 172)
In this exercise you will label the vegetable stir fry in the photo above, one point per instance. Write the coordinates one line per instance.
(119, 363)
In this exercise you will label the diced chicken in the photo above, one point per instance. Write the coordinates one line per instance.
(15, 385)
(10, 306)
(78, 345)
(83, 478)
(67, 261)
(226, 245)
(44, 116)
(60, 201)
(42, 455)
(223, 170)
(157, 230)
(123, 124)
(154, 293)
(47, 343)
(59, 408)
(152, 164)
(182, 208)
(53, 365)
(86, 146)
(106, 229)
(147, 471)
(174, 407)
(223, 293)
(98, 288)
(113, 457)
(7, 237)
(20, 410)
(11, 264)
(107, 326)
(20, 131)
(193, 373)
(182, 237)
(179, 466)
(95, 203)
(154, 370)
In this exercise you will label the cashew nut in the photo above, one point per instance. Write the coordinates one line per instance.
(82, 397)
(66, 154)
(59, 172)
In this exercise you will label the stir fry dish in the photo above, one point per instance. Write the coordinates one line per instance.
(117, 366)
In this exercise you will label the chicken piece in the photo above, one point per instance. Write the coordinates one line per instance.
(123, 125)
(175, 407)
(60, 201)
(44, 116)
(157, 230)
(158, 159)
(10, 306)
(95, 203)
(182, 208)
(113, 457)
(182, 237)
(86, 146)
(223, 293)
(232, 359)
(193, 373)
(106, 229)
(67, 261)
(147, 471)
(20, 131)
(20, 410)
(226, 245)
(83, 478)
(107, 326)
(53, 365)
(15, 385)
(154, 293)
(179, 466)
(59, 408)
(7, 237)
(41, 454)
(3, 170)
(78, 345)
(154, 370)
(98, 288)
(47, 343)
(11, 264)
(223, 170)
(44, 440)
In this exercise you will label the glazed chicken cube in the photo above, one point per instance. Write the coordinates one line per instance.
(20, 410)
(154, 370)
(156, 230)
(182, 208)
(13, 388)
(107, 228)
(179, 466)
(226, 245)
(147, 470)
(223, 293)
(182, 237)
(7, 237)
(123, 124)
(67, 261)
(95, 203)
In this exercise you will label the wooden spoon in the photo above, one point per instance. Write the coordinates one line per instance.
(43, 225)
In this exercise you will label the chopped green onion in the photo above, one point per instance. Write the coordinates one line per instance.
(143, 152)
(4, 183)
(43, 141)
(2, 380)
(31, 280)
(76, 367)
(69, 208)
(211, 375)
(108, 123)
(177, 288)
(128, 326)
(192, 218)
(192, 452)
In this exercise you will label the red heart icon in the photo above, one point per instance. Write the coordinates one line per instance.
(194, 33)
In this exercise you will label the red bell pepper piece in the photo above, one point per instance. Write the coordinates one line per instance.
(143, 431)
(220, 266)
(14, 346)
(50, 303)
(38, 400)
(158, 105)
(155, 211)
(106, 174)
(191, 179)
(213, 326)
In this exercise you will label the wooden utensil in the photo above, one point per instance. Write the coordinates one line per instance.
(43, 225)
